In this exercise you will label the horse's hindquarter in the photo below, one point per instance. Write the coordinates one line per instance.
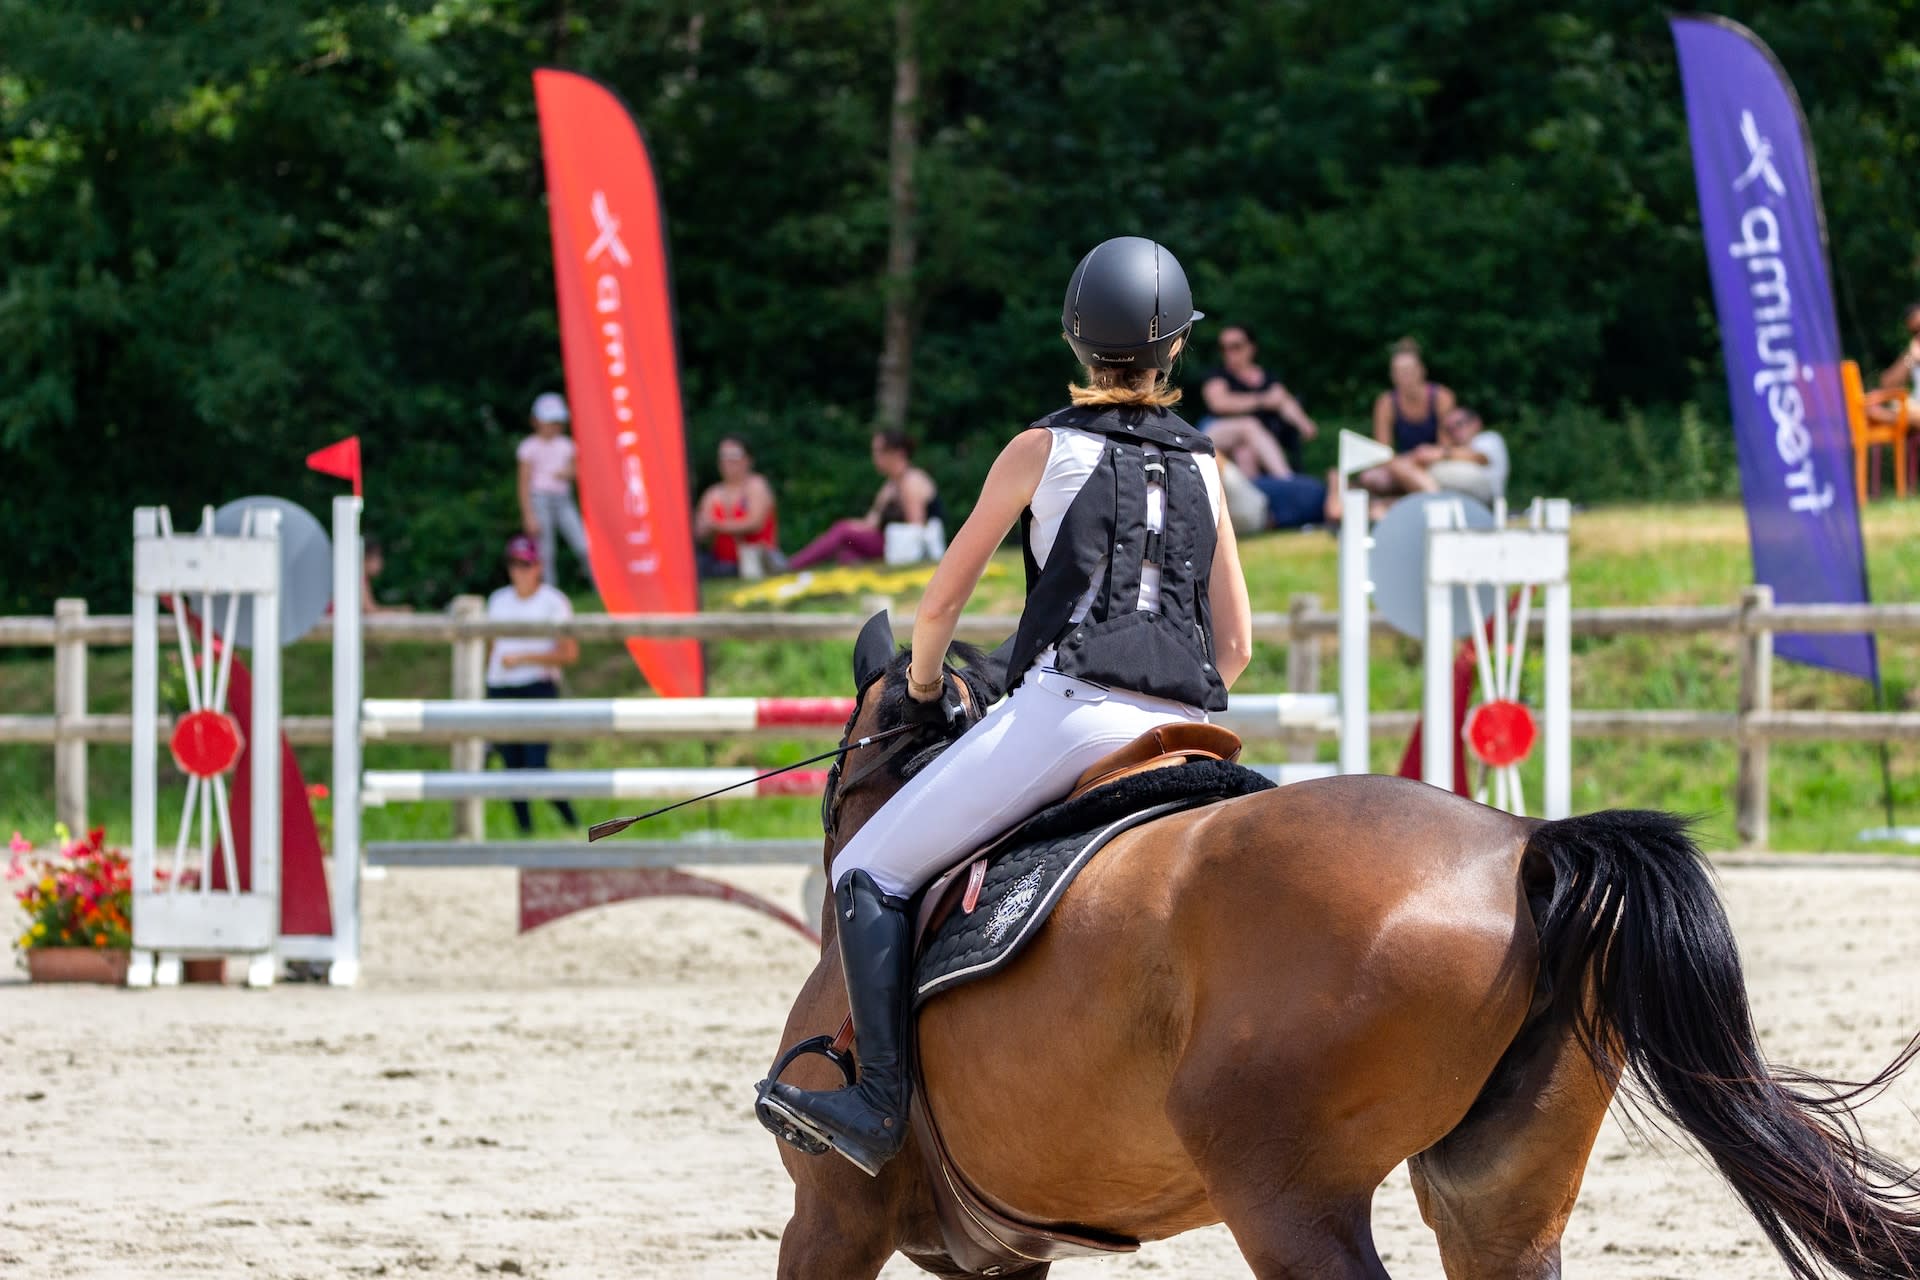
(1331, 969)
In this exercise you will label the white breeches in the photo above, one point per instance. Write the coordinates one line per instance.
(1021, 757)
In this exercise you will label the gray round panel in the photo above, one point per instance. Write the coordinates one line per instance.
(306, 569)
(1398, 566)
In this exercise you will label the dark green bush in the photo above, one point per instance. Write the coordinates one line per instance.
(235, 232)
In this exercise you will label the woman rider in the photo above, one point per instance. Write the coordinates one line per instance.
(1136, 616)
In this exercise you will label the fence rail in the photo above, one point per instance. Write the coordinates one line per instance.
(113, 630)
(1753, 725)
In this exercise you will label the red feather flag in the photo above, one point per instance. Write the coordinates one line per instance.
(623, 371)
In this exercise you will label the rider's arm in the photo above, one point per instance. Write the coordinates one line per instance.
(1009, 488)
(1227, 600)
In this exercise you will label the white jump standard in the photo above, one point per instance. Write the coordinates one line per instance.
(1524, 558)
(170, 919)
(1453, 556)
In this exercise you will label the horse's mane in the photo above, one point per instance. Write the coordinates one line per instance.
(984, 683)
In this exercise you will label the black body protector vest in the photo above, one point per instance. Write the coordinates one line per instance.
(1104, 539)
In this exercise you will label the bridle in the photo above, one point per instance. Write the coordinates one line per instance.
(830, 798)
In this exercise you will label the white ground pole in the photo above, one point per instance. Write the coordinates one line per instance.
(1502, 557)
(1357, 453)
(167, 921)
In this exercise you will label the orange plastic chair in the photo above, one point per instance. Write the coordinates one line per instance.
(1869, 434)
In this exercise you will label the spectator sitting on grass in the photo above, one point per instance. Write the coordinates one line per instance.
(1259, 503)
(1406, 416)
(1468, 460)
(1253, 419)
(734, 519)
(907, 496)
(1904, 373)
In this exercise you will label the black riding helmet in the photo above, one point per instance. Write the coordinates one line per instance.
(1127, 304)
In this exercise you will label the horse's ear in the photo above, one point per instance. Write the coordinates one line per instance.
(873, 650)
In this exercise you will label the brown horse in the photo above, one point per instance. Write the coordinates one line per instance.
(1252, 1012)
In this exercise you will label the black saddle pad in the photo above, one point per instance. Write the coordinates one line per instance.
(1041, 857)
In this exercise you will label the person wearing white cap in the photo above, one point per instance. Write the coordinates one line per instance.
(546, 485)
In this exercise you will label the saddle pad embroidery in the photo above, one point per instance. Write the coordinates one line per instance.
(1015, 904)
(1023, 884)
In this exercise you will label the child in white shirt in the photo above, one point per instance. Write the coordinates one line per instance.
(546, 486)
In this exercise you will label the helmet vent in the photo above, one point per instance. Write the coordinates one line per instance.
(1153, 329)
(1076, 323)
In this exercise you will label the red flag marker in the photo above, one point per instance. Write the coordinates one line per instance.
(341, 459)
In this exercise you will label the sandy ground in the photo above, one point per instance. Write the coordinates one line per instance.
(575, 1103)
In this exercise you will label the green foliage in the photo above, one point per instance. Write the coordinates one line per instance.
(235, 231)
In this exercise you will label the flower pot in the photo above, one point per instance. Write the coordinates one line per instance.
(77, 964)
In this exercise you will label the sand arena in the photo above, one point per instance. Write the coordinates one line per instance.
(576, 1103)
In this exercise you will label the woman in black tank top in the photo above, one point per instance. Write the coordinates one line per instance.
(1253, 418)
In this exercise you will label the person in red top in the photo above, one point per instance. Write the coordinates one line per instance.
(735, 516)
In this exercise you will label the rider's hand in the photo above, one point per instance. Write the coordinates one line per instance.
(942, 710)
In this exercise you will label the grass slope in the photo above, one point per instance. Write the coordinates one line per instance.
(1823, 794)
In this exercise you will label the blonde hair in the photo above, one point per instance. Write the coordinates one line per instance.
(1110, 385)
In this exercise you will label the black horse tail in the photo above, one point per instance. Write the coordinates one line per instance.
(1645, 971)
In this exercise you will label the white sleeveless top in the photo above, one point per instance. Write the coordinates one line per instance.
(1074, 455)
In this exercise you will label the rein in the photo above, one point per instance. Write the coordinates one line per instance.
(613, 826)
(829, 800)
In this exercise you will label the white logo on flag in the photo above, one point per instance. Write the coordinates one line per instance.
(609, 238)
(1760, 165)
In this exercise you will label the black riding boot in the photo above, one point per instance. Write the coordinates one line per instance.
(867, 1121)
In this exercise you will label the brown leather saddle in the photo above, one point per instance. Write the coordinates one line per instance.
(981, 1236)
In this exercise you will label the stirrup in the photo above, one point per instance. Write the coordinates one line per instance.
(785, 1124)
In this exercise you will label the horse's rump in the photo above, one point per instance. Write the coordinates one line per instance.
(1318, 919)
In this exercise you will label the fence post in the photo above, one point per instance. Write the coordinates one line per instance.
(69, 707)
(1303, 663)
(1756, 695)
(469, 754)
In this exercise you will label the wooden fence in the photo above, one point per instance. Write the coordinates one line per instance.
(1304, 629)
